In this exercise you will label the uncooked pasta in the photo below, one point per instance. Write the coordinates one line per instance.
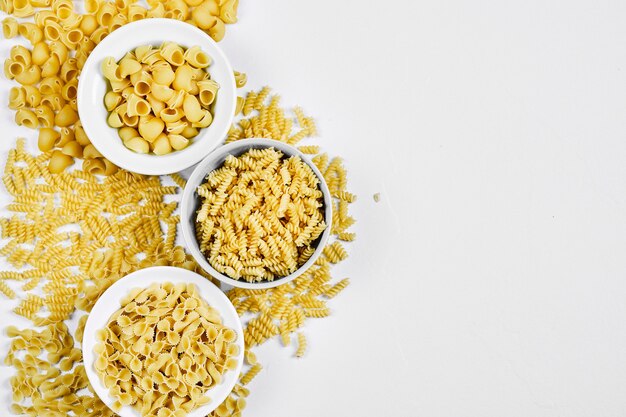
(260, 215)
(163, 350)
(61, 38)
(70, 235)
(159, 98)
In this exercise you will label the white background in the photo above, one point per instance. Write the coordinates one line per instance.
(489, 280)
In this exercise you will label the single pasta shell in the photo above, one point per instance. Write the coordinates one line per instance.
(48, 137)
(151, 129)
(110, 167)
(74, 149)
(178, 142)
(81, 136)
(59, 161)
(164, 76)
(91, 152)
(126, 133)
(114, 120)
(94, 166)
(162, 145)
(192, 109)
(112, 100)
(128, 66)
(138, 145)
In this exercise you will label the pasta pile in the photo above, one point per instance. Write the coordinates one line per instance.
(159, 98)
(59, 241)
(50, 379)
(260, 215)
(270, 121)
(283, 310)
(62, 247)
(70, 237)
(163, 350)
(61, 38)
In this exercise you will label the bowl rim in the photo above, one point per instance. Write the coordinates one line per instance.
(189, 197)
(125, 284)
(121, 41)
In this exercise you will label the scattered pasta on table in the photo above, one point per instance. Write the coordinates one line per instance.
(119, 232)
(72, 233)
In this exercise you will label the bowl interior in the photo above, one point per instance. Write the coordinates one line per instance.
(109, 302)
(92, 87)
(191, 203)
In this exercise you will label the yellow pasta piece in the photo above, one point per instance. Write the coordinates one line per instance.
(17, 98)
(218, 30)
(27, 118)
(59, 161)
(301, 345)
(73, 149)
(67, 116)
(23, 8)
(31, 32)
(13, 68)
(249, 376)
(21, 54)
(207, 91)
(161, 145)
(40, 53)
(205, 15)
(48, 138)
(196, 57)
(9, 27)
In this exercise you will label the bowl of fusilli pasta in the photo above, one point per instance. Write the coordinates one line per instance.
(256, 213)
(156, 96)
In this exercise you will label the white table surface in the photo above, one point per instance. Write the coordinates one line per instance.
(489, 279)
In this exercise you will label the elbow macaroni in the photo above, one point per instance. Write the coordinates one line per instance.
(165, 92)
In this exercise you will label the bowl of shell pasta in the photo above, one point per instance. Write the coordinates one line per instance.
(156, 96)
(163, 341)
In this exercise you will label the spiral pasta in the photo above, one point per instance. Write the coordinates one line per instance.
(260, 215)
(301, 345)
(282, 311)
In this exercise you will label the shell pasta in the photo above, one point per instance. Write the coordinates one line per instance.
(125, 223)
(57, 39)
(165, 93)
(163, 350)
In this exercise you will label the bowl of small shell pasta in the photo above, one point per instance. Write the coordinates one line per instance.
(163, 341)
(156, 96)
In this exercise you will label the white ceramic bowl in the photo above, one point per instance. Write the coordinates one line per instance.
(190, 203)
(92, 87)
(109, 303)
